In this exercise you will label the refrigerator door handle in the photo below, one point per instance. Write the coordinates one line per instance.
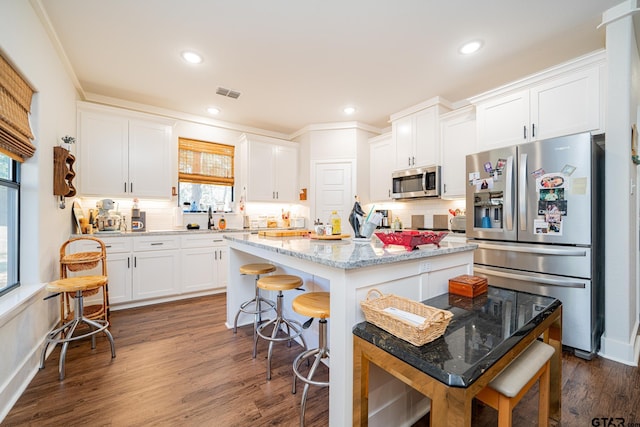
(522, 192)
(533, 250)
(508, 200)
(563, 283)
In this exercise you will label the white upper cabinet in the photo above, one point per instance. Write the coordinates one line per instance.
(458, 138)
(416, 134)
(270, 169)
(560, 101)
(566, 105)
(503, 121)
(123, 156)
(382, 153)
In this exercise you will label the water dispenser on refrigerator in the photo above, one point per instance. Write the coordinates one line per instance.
(488, 209)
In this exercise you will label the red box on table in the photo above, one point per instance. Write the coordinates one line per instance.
(468, 286)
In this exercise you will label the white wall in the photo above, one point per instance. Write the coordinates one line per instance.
(44, 227)
(620, 340)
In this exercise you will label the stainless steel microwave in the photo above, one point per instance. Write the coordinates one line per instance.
(416, 183)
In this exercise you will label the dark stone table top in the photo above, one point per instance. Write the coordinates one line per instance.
(482, 330)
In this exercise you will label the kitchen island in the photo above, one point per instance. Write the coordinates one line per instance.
(349, 270)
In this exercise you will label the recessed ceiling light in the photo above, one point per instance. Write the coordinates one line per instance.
(191, 57)
(213, 110)
(349, 110)
(471, 47)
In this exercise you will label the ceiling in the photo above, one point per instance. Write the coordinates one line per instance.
(300, 62)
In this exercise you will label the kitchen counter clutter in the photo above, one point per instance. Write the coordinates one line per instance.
(348, 269)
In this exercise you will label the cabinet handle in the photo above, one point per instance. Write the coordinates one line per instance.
(525, 132)
(413, 161)
(131, 187)
(220, 255)
(444, 188)
(128, 263)
(157, 244)
(533, 130)
(409, 161)
(215, 255)
(135, 262)
(273, 194)
(125, 187)
(277, 195)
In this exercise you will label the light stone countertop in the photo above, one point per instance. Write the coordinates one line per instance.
(174, 232)
(346, 254)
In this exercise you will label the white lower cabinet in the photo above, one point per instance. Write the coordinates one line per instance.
(118, 265)
(147, 267)
(156, 274)
(203, 260)
(119, 271)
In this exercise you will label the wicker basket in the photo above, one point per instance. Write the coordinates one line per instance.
(433, 327)
(81, 261)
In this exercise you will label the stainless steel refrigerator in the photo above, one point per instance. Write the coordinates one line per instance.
(536, 212)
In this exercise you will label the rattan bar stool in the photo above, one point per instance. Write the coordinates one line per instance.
(66, 331)
(314, 305)
(279, 282)
(507, 389)
(257, 305)
(83, 261)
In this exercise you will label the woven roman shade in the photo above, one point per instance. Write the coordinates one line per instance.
(15, 105)
(202, 162)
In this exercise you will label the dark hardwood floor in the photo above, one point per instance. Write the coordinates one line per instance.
(177, 364)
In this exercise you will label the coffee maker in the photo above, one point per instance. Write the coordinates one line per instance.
(386, 218)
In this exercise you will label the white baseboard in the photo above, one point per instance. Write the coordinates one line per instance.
(12, 388)
(627, 353)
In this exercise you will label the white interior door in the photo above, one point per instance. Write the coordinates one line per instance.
(334, 192)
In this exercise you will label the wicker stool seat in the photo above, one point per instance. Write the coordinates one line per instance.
(507, 389)
(257, 305)
(315, 305)
(76, 285)
(279, 283)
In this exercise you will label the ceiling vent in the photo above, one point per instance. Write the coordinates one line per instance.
(228, 92)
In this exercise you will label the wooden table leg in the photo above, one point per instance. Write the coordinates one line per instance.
(555, 392)
(360, 385)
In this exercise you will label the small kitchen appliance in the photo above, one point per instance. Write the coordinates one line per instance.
(386, 218)
(416, 183)
(105, 220)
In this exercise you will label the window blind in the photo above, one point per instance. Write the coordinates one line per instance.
(15, 106)
(202, 162)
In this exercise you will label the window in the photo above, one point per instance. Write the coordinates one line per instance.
(9, 223)
(15, 147)
(205, 175)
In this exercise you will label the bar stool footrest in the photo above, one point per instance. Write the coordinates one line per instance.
(294, 326)
(313, 353)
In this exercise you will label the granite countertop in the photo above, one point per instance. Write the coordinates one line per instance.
(482, 330)
(347, 253)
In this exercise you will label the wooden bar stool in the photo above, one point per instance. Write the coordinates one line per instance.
(507, 389)
(312, 304)
(255, 305)
(78, 285)
(279, 282)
